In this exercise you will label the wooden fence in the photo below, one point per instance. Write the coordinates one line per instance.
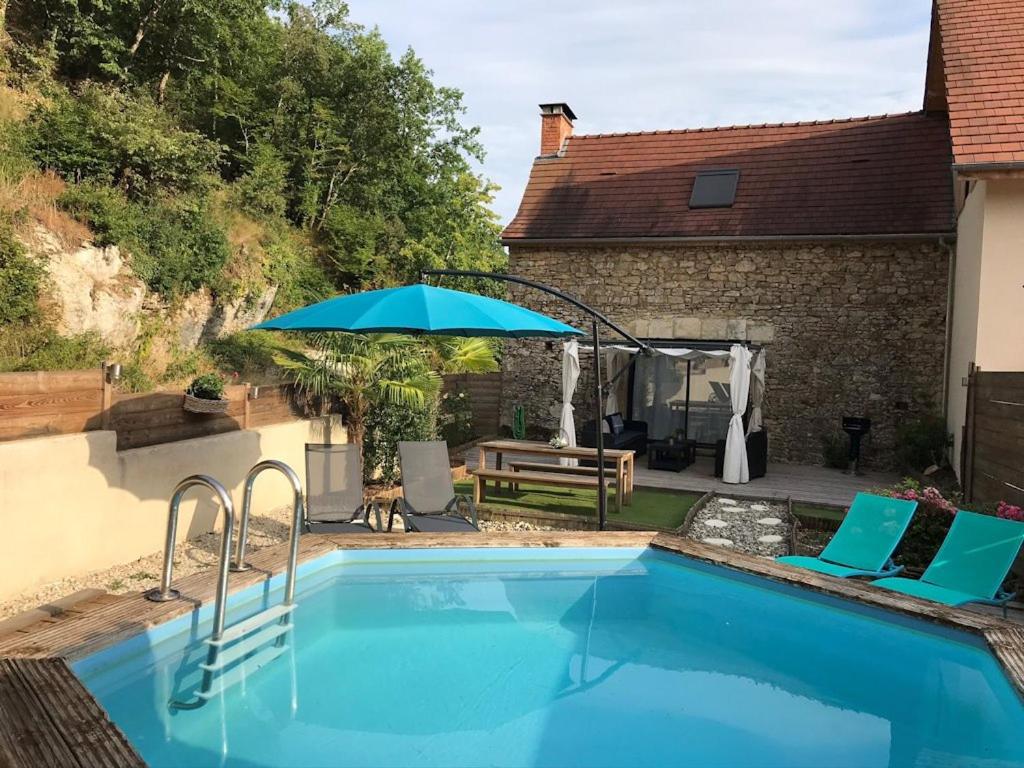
(993, 455)
(484, 391)
(65, 402)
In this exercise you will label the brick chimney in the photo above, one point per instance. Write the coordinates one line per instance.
(555, 127)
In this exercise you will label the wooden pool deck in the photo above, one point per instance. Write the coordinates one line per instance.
(67, 717)
(800, 482)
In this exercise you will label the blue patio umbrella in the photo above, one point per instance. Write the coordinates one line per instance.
(420, 308)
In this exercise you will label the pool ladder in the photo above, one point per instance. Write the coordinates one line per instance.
(234, 652)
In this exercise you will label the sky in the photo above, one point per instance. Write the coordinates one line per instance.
(644, 65)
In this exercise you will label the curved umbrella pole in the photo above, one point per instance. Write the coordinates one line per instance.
(599, 388)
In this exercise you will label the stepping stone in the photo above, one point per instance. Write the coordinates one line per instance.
(728, 502)
(716, 523)
(759, 507)
(718, 542)
(769, 521)
(769, 539)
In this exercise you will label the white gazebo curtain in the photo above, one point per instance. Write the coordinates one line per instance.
(615, 361)
(570, 375)
(756, 393)
(735, 469)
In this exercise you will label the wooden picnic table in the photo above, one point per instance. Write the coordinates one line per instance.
(623, 460)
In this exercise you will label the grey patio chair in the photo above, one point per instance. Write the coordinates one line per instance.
(334, 491)
(429, 502)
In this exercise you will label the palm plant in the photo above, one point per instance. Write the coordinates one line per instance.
(363, 371)
(455, 354)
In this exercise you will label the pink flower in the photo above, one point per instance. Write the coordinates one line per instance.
(1010, 512)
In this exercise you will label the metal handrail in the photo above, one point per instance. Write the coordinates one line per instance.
(164, 593)
(239, 563)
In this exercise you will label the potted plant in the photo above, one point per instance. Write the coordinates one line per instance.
(558, 442)
(206, 395)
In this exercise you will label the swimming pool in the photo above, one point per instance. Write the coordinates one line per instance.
(566, 657)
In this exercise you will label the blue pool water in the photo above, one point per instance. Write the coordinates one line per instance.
(567, 657)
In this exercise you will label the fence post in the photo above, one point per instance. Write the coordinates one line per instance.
(967, 449)
(245, 408)
(107, 399)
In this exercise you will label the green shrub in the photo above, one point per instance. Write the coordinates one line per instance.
(134, 379)
(456, 417)
(186, 364)
(109, 136)
(921, 443)
(179, 247)
(296, 270)
(250, 354)
(39, 348)
(108, 213)
(20, 278)
(175, 245)
(386, 425)
(209, 386)
(15, 157)
(261, 191)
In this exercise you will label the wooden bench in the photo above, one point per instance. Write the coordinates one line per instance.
(540, 466)
(556, 479)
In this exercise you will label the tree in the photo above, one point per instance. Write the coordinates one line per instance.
(363, 371)
(387, 382)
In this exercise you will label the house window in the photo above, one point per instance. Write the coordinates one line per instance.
(714, 189)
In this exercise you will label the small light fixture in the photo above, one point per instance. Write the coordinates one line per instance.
(113, 373)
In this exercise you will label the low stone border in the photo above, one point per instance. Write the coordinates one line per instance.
(691, 514)
(550, 519)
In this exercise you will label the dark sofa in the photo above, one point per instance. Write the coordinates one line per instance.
(624, 435)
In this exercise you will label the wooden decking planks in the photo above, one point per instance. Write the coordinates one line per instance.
(1007, 643)
(50, 720)
(79, 633)
(846, 588)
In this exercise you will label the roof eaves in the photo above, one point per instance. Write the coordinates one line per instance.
(944, 235)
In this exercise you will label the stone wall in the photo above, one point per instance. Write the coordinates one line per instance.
(850, 328)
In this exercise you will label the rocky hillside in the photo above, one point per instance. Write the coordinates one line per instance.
(171, 173)
(92, 289)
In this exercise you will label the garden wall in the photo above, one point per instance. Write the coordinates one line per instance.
(851, 328)
(72, 504)
(65, 402)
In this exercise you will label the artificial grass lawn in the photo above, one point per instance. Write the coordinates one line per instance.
(661, 509)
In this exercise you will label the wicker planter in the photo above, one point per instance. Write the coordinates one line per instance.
(201, 405)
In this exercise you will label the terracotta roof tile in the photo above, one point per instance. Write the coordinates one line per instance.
(863, 176)
(983, 60)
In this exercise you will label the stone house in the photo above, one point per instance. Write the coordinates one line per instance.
(876, 259)
(833, 254)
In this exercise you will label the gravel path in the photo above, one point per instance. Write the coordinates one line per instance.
(192, 556)
(756, 527)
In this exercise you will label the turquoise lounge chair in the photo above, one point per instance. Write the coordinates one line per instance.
(864, 543)
(971, 564)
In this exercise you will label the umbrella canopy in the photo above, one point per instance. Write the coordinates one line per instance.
(421, 309)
